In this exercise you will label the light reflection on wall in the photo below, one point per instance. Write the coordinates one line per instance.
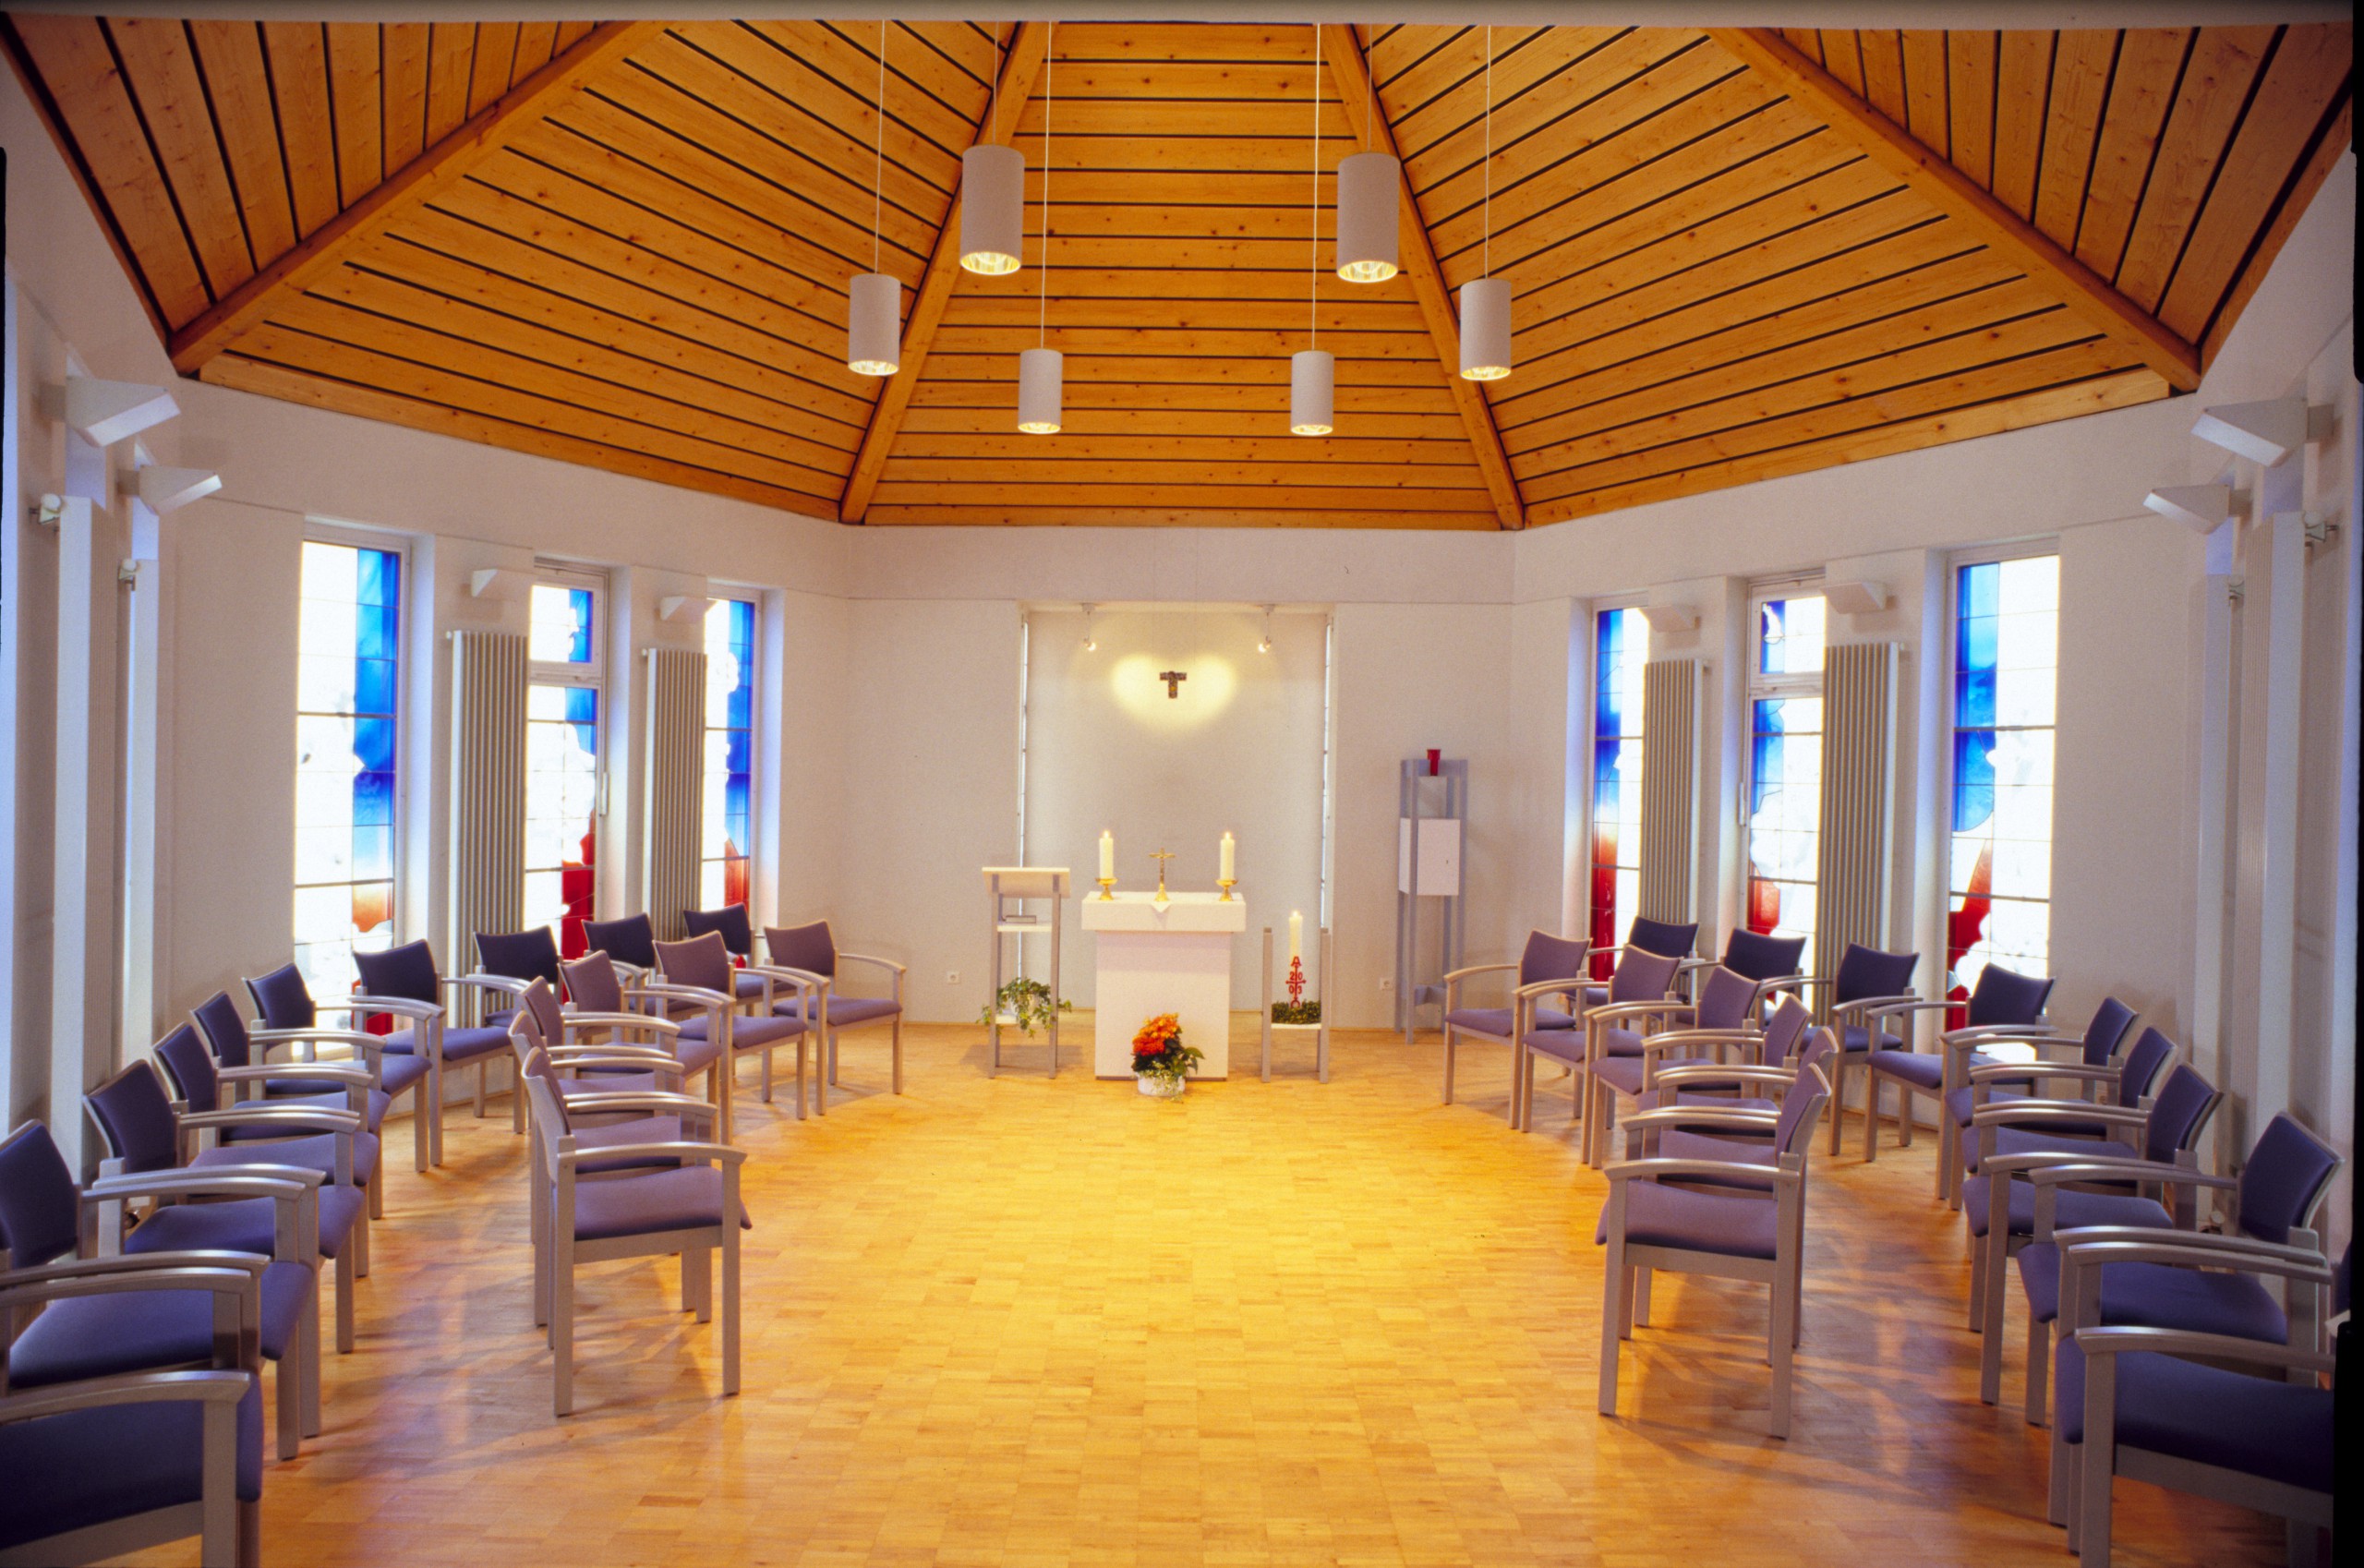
(1213, 683)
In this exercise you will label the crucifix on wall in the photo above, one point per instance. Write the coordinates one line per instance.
(1173, 678)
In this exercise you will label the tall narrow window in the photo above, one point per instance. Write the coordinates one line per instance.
(563, 758)
(1621, 646)
(1785, 768)
(730, 774)
(2006, 641)
(347, 653)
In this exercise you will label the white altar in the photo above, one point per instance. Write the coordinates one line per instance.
(1169, 957)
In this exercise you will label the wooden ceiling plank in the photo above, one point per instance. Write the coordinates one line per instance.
(843, 60)
(239, 86)
(1970, 103)
(2305, 82)
(2216, 86)
(405, 46)
(2121, 389)
(2337, 138)
(1459, 485)
(160, 68)
(535, 42)
(451, 52)
(1842, 56)
(1212, 453)
(1456, 67)
(1176, 120)
(2081, 78)
(1021, 68)
(1345, 498)
(1883, 56)
(488, 71)
(445, 162)
(1013, 311)
(569, 34)
(353, 82)
(1416, 257)
(1148, 371)
(2022, 88)
(924, 420)
(1927, 114)
(1960, 198)
(2149, 64)
(1185, 40)
(1443, 129)
(368, 403)
(1805, 40)
(1170, 517)
(105, 116)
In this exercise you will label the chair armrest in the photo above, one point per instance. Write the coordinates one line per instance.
(1700, 1115)
(711, 1153)
(220, 1385)
(2306, 1269)
(697, 993)
(867, 958)
(623, 1020)
(630, 973)
(1628, 1170)
(263, 1114)
(2224, 1251)
(2080, 1169)
(2214, 1346)
(508, 985)
(655, 1102)
(2067, 1071)
(1466, 972)
(308, 1072)
(1706, 1037)
(209, 1181)
(1716, 1072)
(1687, 965)
(360, 1039)
(795, 976)
(1658, 1008)
(1868, 1005)
(2051, 1112)
(137, 1263)
(1551, 987)
(1895, 1008)
(400, 1006)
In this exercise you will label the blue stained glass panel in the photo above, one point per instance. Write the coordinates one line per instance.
(2005, 655)
(1621, 648)
(348, 681)
(729, 783)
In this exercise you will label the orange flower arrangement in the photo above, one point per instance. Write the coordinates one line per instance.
(1158, 1049)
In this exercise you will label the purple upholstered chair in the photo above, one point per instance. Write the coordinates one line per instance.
(407, 975)
(1699, 1126)
(730, 924)
(699, 971)
(2015, 1199)
(2004, 1005)
(1666, 938)
(2131, 1403)
(606, 1007)
(1690, 1031)
(691, 1207)
(584, 1067)
(242, 1077)
(2092, 1069)
(286, 1018)
(1714, 1217)
(54, 1232)
(2060, 1123)
(1639, 1002)
(1775, 1049)
(1755, 954)
(614, 1094)
(630, 943)
(808, 954)
(1548, 962)
(1865, 980)
(103, 1464)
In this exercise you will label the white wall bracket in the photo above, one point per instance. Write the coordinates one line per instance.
(169, 489)
(2198, 507)
(1855, 599)
(672, 606)
(2264, 432)
(1670, 617)
(104, 412)
(481, 581)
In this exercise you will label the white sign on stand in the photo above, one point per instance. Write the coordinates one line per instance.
(1440, 856)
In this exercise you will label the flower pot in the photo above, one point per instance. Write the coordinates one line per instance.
(1161, 1086)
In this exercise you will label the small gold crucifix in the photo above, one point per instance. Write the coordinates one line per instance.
(1161, 857)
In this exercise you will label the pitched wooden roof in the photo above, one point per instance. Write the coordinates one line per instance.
(1736, 253)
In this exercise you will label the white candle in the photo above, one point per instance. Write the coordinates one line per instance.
(1297, 935)
(1225, 874)
(1107, 856)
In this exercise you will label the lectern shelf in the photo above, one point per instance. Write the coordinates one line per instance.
(1005, 885)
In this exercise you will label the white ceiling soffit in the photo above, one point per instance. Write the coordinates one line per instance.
(2037, 14)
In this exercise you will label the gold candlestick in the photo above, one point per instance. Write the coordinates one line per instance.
(1161, 857)
(1105, 884)
(1227, 884)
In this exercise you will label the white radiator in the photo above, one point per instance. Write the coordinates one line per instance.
(487, 789)
(1858, 786)
(1669, 788)
(673, 793)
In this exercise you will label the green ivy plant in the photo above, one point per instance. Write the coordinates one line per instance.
(1297, 1012)
(1028, 1001)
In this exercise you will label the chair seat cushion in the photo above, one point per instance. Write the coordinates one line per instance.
(315, 1152)
(573, 1089)
(2070, 1210)
(1617, 1041)
(93, 1336)
(397, 1073)
(747, 987)
(1915, 1068)
(696, 1052)
(336, 1101)
(847, 1011)
(1492, 1022)
(1675, 1143)
(754, 1033)
(2027, 1141)
(1853, 1037)
(1625, 1073)
(644, 1205)
(1958, 1104)
(242, 1225)
(1560, 1044)
(2160, 1295)
(459, 1045)
(639, 1129)
(1725, 1102)
(1659, 1215)
(2257, 1426)
(87, 1467)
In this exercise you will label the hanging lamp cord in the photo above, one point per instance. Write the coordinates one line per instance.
(1043, 298)
(1486, 261)
(1313, 244)
(878, 172)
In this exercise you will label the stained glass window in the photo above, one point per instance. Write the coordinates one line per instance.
(1621, 648)
(347, 658)
(562, 763)
(2006, 658)
(729, 752)
(1785, 770)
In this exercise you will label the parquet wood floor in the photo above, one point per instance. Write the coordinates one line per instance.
(1025, 1323)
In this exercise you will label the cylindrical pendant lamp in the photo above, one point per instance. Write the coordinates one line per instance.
(873, 325)
(1040, 372)
(993, 208)
(1312, 375)
(1367, 184)
(1485, 329)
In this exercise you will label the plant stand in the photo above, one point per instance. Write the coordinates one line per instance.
(1017, 898)
(1318, 1033)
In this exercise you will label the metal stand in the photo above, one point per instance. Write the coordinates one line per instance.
(1005, 885)
(1428, 866)
(1321, 1032)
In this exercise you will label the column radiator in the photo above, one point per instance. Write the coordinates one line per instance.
(673, 793)
(1670, 787)
(1858, 785)
(488, 876)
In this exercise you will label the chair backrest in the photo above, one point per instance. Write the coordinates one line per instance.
(629, 940)
(135, 1116)
(1866, 971)
(2111, 1021)
(224, 1031)
(283, 1000)
(1546, 958)
(808, 948)
(525, 1031)
(701, 960)
(1784, 1027)
(1665, 939)
(519, 955)
(2003, 999)
(1760, 957)
(591, 981)
(191, 1067)
(730, 920)
(2288, 1174)
(541, 1004)
(40, 1212)
(407, 973)
(1816, 1053)
(2184, 1104)
(2140, 1072)
(1724, 999)
(1643, 976)
(548, 1107)
(1801, 1108)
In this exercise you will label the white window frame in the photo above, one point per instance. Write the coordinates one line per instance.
(754, 598)
(1756, 686)
(593, 674)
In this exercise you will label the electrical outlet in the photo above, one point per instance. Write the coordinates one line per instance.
(952, 977)
(1385, 983)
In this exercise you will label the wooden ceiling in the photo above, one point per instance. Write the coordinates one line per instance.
(1736, 253)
